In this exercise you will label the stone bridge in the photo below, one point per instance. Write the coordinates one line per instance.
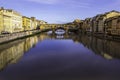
(54, 27)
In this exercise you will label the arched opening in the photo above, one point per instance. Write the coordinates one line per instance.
(60, 30)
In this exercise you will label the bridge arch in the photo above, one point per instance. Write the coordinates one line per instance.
(54, 27)
(60, 28)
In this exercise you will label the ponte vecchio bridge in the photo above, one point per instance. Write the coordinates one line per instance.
(54, 27)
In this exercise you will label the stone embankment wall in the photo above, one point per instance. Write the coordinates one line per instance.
(13, 36)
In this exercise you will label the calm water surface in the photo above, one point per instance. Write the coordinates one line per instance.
(60, 57)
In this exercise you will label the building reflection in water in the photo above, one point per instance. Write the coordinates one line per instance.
(11, 53)
(105, 48)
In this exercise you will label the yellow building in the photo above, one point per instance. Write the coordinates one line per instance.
(42, 22)
(39, 23)
(1, 23)
(16, 21)
(42, 27)
(26, 23)
(5, 21)
(10, 21)
(33, 23)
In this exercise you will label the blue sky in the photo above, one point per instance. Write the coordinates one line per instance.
(61, 11)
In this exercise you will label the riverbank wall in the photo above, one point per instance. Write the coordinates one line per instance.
(4, 38)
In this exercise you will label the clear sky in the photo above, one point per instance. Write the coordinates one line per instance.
(61, 11)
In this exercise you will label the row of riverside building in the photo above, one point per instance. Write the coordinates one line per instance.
(12, 21)
(106, 24)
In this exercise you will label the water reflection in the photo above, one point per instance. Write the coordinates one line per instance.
(75, 58)
(60, 32)
(10, 53)
(107, 49)
(57, 32)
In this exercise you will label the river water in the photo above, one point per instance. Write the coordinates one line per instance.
(49, 56)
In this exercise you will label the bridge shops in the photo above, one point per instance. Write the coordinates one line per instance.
(54, 27)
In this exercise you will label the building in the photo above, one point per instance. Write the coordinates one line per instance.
(16, 21)
(113, 25)
(94, 23)
(33, 23)
(5, 21)
(76, 21)
(81, 25)
(98, 21)
(10, 21)
(1, 24)
(26, 21)
(86, 25)
(39, 23)
(102, 18)
(42, 22)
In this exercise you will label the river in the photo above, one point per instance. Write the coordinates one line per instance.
(49, 56)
